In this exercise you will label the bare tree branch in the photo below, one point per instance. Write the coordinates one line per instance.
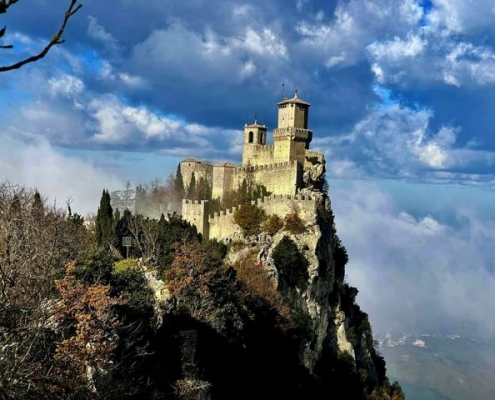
(56, 39)
(5, 4)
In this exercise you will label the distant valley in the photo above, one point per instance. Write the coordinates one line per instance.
(440, 367)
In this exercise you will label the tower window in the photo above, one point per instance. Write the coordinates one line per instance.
(260, 137)
(251, 137)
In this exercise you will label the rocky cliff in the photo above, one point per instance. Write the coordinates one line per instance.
(291, 329)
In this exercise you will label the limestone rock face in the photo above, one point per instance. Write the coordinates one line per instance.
(323, 298)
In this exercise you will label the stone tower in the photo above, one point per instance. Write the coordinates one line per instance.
(254, 141)
(292, 136)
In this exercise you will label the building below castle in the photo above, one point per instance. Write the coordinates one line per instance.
(284, 168)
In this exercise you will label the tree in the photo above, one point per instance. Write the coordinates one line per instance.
(291, 263)
(124, 199)
(35, 245)
(191, 190)
(73, 8)
(104, 225)
(249, 217)
(179, 183)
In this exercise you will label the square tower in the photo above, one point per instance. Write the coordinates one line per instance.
(292, 137)
(293, 113)
(254, 143)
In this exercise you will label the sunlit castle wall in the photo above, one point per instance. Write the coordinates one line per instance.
(283, 178)
(223, 179)
(222, 225)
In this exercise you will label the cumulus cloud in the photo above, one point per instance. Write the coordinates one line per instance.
(399, 142)
(417, 274)
(209, 57)
(341, 40)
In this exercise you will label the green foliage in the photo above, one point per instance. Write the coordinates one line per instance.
(94, 266)
(273, 224)
(191, 190)
(351, 336)
(104, 221)
(246, 193)
(249, 217)
(313, 160)
(122, 265)
(294, 224)
(341, 259)
(216, 251)
(170, 231)
(205, 289)
(325, 214)
(291, 263)
(203, 190)
(129, 280)
(179, 183)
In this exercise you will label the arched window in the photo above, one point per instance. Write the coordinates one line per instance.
(260, 137)
(251, 137)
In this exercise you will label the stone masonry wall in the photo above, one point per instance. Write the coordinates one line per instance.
(222, 224)
(200, 169)
(196, 213)
(257, 154)
(282, 178)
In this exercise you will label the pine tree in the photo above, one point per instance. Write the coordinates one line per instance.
(104, 221)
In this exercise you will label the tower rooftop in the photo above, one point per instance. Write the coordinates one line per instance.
(295, 99)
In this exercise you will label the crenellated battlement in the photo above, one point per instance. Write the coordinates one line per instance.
(292, 133)
(222, 224)
(194, 202)
(267, 167)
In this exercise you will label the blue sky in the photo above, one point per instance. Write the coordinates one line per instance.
(401, 92)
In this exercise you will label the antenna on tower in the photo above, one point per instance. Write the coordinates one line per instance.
(283, 90)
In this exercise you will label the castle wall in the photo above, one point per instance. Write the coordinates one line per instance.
(257, 154)
(196, 213)
(282, 178)
(291, 144)
(282, 205)
(200, 169)
(223, 180)
(222, 224)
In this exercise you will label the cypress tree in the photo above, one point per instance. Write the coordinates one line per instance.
(104, 221)
(191, 190)
(179, 183)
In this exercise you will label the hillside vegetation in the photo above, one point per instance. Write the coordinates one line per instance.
(182, 317)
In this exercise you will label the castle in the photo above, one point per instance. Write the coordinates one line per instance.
(284, 168)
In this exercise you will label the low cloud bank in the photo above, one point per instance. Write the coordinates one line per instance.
(417, 275)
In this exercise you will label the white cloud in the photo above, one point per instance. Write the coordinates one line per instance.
(37, 164)
(357, 24)
(398, 141)
(66, 85)
(263, 43)
(416, 273)
(398, 49)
